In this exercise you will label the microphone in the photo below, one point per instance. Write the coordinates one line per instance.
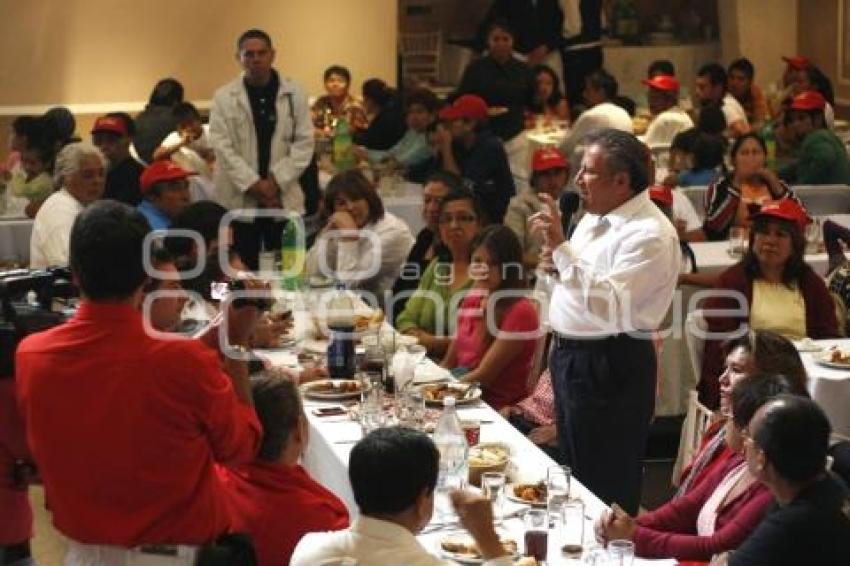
(568, 205)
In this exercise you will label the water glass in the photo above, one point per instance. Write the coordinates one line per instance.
(493, 488)
(536, 534)
(557, 489)
(621, 552)
(737, 241)
(572, 525)
(410, 409)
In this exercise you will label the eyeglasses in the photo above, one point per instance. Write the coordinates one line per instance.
(459, 218)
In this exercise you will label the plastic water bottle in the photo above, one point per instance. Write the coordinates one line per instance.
(292, 258)
(343, 154)
(451, 443)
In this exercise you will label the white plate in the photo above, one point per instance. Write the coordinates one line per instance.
(308, 390)
(509, 493)
(462, 558)
(823, 359)
(467, 401)
(431, 373)
(807, 345)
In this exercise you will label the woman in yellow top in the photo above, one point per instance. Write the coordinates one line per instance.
(782, 293)
(431, 311)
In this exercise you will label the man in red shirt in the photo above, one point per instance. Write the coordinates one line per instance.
(275, 500)
(125, 428)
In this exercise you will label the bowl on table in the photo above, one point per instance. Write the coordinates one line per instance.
(487, 457)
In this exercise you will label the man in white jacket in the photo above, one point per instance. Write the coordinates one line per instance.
(262, 134)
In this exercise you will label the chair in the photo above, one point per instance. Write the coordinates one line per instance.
(697, 421)
(420, 57)
(695, 329)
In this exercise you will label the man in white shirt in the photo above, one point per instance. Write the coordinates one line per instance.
(668, 118)
(393, 473)
(81, 168)
(614, 282)
(711, 89)
(600, 89)
(262, 134)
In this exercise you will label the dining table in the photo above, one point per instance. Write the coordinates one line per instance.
(333, 436)
(829, 381)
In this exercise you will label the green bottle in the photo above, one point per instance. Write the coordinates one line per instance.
(769, 137)
(292, 258)
(343, 154)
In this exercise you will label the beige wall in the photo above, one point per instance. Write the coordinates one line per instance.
(822, 46)
(761, 30)
(80, 52)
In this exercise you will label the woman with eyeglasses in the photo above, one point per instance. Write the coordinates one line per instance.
(498, 327)
(771, 288)
(432, 309)
(361, 244)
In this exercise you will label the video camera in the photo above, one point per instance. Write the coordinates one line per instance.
(27, 306)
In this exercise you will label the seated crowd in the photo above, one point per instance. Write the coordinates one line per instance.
(144, 440)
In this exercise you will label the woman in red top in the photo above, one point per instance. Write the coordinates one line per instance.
(497, 327)
(756, 352)
(719, 514)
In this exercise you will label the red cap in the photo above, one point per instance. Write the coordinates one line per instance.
(548, 158)
(111, 124)
(786, 209)
(661, 194)
(797, 62)
(663, 82)
(162, 170)
(468, 106)
(808, 100)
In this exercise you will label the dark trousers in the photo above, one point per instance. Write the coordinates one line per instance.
(250, 237)
(577, 65)
(604, 401)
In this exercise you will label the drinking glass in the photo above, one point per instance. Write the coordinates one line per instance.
(737, 241)
(536, 534)
(410, 409)
(493, 487)
(621, 552)
(572, 526)
(557, 489)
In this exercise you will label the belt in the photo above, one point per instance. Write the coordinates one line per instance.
(562, 341)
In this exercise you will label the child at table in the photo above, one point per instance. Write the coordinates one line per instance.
(32, 181)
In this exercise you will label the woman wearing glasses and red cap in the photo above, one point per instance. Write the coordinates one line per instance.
(782, 293)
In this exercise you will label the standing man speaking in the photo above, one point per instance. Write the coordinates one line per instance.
(262, 134)
(614, 283)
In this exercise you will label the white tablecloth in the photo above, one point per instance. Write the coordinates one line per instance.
(830, 387)
(713, 257)
(15, 240)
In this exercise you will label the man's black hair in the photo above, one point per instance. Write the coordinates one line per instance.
(794, 435)
(390, 468)
(106, 248)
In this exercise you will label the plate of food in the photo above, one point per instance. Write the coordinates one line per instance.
(334, 389)
(462, 549)
(834, 357)
(533, 494)
(434, 393)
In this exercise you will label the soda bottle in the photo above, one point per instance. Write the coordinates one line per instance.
(343, 154)
(341, 357)
(292, 257)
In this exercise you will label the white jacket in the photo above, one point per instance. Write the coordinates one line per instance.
(234, 140)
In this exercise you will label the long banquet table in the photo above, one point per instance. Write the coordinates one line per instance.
(830, 387)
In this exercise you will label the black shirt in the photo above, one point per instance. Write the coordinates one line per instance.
(535, 23)
(263, 101)
(812, 529)
(122, 182)
(385, 129)
(506, 85)
(485, 167)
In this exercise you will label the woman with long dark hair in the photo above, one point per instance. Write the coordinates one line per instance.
(545, 97)
(781, 292)
(497, 326)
